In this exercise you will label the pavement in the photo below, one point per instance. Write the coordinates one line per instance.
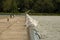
(14, 29)
(49, 27)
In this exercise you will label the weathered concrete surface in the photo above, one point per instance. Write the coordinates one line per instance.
(49, 27)
(14, 29)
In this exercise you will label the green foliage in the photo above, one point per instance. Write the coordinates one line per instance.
(45, 6)
(14, 6)
(6, 5)
(9, 5)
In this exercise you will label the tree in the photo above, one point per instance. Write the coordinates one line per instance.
(6, 5)
(1, 5)
(14, 7)
(10, 5)
(33, 5)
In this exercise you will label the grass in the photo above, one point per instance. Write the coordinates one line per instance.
(45, 14)
(1, 13)
(35, 14)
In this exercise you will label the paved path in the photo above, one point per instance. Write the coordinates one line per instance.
(49, 27)
(14, 29)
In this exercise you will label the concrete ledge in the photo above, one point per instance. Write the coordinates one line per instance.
(32, 24)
